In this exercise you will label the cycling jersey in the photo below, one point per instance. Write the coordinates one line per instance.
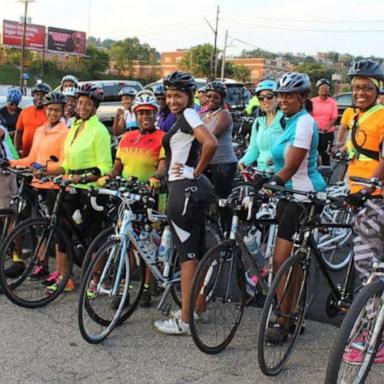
(262, 139)
(7, 119)
(300, 132)
(347, 117)
(29, 120)
(324, 111)
(252, 104)
(47, 142)
(7, 150)
(140, 153)
(165, 121)
(179, 143)
(369, 135)
(90, 149)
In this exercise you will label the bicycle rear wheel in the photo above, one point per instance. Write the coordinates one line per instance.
(354, 350)
(219, 282)
(282, 315)
(36, 244)
(7, 217)
(100, 308)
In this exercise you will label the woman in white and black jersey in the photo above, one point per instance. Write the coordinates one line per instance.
(189, 148)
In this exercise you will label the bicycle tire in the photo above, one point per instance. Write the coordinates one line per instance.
(94, 328)
(349, 331)
(6, 216)
(271, 308)
(34, 233)
(225, 288)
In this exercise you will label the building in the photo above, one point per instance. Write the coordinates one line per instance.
(170, 61)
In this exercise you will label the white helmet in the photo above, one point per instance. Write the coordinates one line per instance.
(128, 91)
(145, 100)
(69, 91)
(70, 78)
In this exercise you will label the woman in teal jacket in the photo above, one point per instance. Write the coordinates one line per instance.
(265, 130)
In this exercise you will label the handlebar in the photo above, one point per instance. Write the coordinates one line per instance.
(372, 183)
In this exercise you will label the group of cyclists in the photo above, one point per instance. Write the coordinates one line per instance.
(168, 138)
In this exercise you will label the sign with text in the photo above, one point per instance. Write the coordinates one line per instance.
(13, 35)
(65, 40)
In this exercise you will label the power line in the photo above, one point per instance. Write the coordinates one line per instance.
(263, 26)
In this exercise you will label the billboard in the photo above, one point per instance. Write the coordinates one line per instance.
(13, 35)
(65, 40)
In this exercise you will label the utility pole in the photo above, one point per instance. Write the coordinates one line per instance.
(23, 41)
(214, 54)
(223, 58)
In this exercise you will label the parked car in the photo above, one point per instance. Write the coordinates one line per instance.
(237, 97)
(344, 101)
(26, 101)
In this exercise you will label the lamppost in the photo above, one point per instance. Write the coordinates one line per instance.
(26, 2)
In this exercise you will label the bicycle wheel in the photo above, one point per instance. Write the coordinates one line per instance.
(7, 217)
(36, 243)
(219, 284)
(212, 238)
(100, 307)
(354, 350)
(283, 314)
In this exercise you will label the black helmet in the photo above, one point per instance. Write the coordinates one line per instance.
(94, 93)
(158, 90)
(54, 98)
(41, 87)
(321, 82)
(181, 81)
(218, 87)
(294, 82)
(366, 68)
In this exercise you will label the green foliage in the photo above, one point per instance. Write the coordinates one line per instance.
(315, 71)
(241, 72)
(198, 60)
(258, 52)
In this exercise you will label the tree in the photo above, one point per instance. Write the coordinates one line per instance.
(126, 52)
(97, 60)
(258, 52)
(198, 60)
(315, 71)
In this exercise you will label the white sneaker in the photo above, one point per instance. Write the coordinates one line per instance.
(202, 317)
(173, 326)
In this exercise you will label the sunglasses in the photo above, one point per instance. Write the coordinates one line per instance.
(269, 97)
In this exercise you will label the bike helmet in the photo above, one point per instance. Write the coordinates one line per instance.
(202, 90)
(180, 81)
(54, 97)
(382, 91)
(41, 87)
(145, 100)
(69, 91)
(158, 90)
(217, 86)
(321, 82)
(94, 93)
(14, 96)
(266, 85)
(69, 78)
(294, 82)
(128, 91)
(366, 68)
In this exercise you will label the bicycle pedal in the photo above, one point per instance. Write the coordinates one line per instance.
(166, 309)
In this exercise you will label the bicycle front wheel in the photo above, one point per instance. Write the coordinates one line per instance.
(36, 244)
(282, 315)
(218, 292)
(354, 351)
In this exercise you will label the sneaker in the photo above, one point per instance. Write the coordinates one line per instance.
(145, 299)
(69, 287)
(173, 326)
(251, 281)
(202, 317)
(39, 272)
(51, 279)
(355, 355)
(115, 301)
(15, 270)
(92, 290)
(276, 335)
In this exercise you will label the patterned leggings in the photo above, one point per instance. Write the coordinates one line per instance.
(368, 239)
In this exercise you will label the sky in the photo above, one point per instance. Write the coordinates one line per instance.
(299, 26)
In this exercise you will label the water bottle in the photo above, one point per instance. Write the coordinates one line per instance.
(147, 242)
(165, 250)
(252, 242)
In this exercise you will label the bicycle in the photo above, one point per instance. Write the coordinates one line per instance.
(361, 333)
(116, 273)
(293, 277)
(219, 287)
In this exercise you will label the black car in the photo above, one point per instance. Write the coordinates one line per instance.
(344, 101)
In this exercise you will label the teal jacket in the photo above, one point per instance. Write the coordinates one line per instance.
(262, 140)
